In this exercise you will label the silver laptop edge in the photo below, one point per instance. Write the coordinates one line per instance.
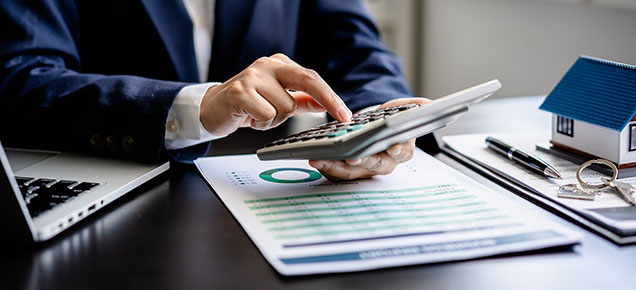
(122, 176)
(14, 217)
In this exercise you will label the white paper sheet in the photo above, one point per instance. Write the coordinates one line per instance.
(423, 212)
(473, 146)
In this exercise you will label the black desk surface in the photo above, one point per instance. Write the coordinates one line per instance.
(174, 233)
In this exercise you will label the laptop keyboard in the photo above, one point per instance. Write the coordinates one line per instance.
(42, 194)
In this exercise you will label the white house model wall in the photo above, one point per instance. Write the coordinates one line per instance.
(628, 144)
(597, 141)
(590, 139)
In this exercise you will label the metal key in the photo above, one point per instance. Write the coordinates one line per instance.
(624, 189)
(575, 191)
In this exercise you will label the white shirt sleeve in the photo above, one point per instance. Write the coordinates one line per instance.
(183, 127)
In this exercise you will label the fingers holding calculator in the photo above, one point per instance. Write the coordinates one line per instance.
(380, 163)
(375, 142)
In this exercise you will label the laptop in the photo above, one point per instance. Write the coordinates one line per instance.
(43, 193)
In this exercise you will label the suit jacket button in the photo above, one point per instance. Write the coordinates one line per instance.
(112, 144)
(127, 144)
(97, 142)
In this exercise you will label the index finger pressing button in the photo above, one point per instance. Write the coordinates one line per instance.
(293, 76)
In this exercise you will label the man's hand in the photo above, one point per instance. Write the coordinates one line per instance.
(257, 97)
(377, 164)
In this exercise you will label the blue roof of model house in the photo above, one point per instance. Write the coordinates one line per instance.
(596, 91)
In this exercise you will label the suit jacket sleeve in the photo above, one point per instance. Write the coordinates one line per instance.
(339, 40)
(45, 101)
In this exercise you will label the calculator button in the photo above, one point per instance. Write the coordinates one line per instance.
(336, 133)
(406, 107)
(354, 127)
(309, 137)
(277, 142)
(332, 126)
(391, 112)
(332, 123)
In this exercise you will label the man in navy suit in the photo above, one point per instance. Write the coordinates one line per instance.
(148, 79)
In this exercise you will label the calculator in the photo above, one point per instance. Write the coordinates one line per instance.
(375, 131)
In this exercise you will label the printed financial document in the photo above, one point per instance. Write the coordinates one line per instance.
(423, 212)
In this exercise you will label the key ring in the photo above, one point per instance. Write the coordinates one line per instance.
(606, 162)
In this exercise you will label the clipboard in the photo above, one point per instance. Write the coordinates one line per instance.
(608, 222)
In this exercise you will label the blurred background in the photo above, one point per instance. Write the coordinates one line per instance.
(447, 45)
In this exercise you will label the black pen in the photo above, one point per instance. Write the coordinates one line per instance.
(526, 159)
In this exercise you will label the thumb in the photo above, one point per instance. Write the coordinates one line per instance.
(305, 103)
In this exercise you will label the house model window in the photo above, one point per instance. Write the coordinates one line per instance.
(632, 137)
(598, 97)
(565, 126)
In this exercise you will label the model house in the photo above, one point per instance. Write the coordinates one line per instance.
(594, 108)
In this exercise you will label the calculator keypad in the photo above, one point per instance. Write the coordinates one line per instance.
(335, 129)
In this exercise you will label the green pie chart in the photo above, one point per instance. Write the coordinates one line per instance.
(307, 176)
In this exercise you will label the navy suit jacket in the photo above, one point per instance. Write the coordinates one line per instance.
(101, 75)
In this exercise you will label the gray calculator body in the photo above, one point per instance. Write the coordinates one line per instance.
(382, 131)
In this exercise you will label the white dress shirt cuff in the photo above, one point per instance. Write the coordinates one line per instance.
(183, 127)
